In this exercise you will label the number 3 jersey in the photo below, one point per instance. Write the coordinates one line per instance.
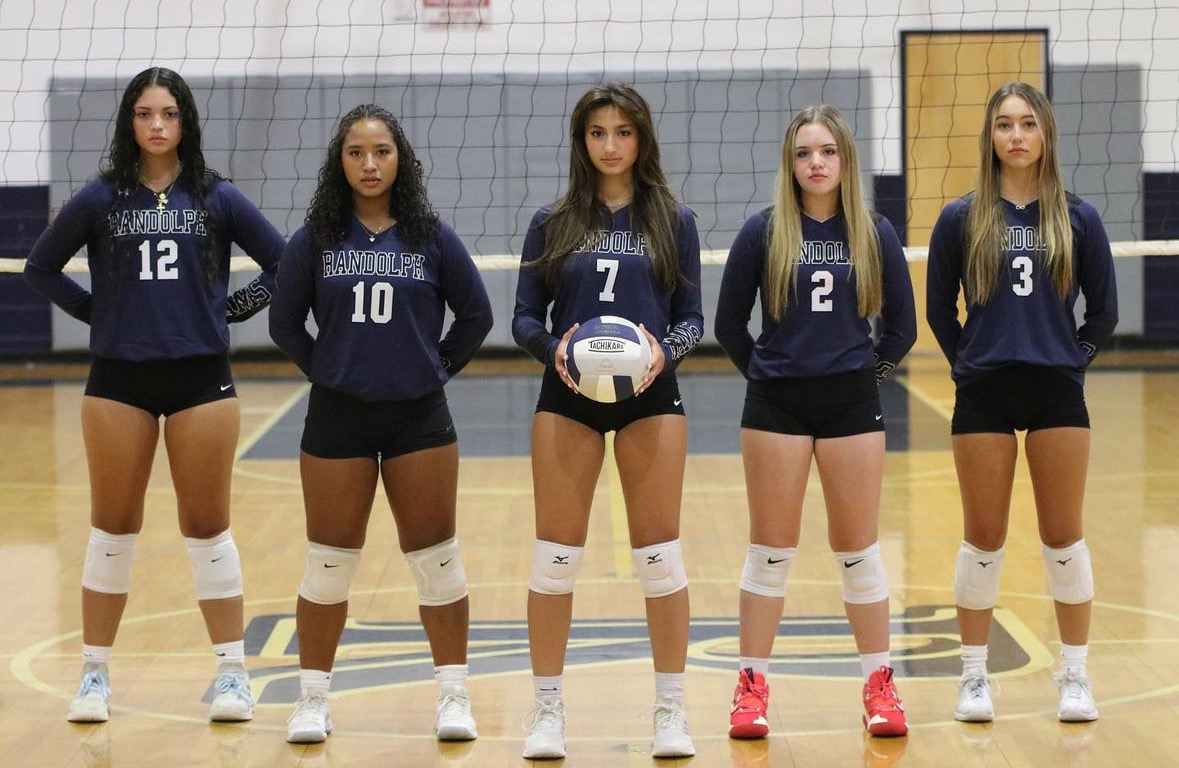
(379, 304)
(151, 297)
(611, 274)
(1025, 320)
(821, 332)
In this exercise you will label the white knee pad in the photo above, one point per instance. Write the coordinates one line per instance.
(660, 568)
(976, 577)
(1070, 573)
(439, 572)
(864, 580)
(329, 574)
(554, 568)
(108, 562)
(216, 567)
(766, 569)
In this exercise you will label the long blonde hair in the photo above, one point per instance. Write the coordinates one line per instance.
(785, 240)
(986, 225)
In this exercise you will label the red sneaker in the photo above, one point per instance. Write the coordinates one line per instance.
(884, 714)
(747, 718)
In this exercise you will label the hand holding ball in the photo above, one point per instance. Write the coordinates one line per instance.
(608, 357)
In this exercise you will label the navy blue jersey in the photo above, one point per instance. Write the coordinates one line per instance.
(611, 275)
(150, 297)
(380, 305)
(1025, 320)
(821, 332)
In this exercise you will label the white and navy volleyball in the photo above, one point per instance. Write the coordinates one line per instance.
(608, 356)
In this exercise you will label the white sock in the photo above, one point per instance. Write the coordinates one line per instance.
(231, 653)
(870, 662)
(452, 678)
(1072, 658)
(547, 687)
(314, 681)
(669, 685)
(761, 666)
(96, 654)
(974, 660)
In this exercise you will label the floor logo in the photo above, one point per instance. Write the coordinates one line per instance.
(924, 643)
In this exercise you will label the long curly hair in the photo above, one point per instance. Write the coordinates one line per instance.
(330, 213)
(580, 211)
(123, 162)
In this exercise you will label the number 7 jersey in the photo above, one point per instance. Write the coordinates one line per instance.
(611, 274)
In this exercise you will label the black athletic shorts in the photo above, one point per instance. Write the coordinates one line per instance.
(838, 405)
(1016, 397)
(662, 397)
(162, 387)
(342, 427)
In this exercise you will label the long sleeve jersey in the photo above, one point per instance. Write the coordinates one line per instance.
(380, 305)
(1025, 320)
(610, 275)
(150, 296)
(821, 332)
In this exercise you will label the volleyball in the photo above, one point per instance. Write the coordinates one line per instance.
(608, 356)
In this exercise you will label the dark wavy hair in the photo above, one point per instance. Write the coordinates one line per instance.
(330, 213)
(123, 164)
(653, 211)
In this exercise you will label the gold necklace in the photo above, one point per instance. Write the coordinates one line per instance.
(162, 196)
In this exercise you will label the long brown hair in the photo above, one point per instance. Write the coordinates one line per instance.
(785, 240)
(653, 211)
(986, 226)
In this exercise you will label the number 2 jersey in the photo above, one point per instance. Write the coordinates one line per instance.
(1025, 320)
(610, 275)
(821, 332)
(380, 304)
(150, 297)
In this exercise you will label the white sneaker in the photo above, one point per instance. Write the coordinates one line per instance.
(94, 690)
(453, 720)
(974, 699)
(1076, 697)
(546, 730)
(672, 738)
(232, 701)
(311, 722)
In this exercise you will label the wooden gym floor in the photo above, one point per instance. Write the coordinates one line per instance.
(383, 700)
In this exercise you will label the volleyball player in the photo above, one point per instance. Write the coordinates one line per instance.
(1021, 248)
(157, 225)
(824, 267)
(378, 270)
(650, 274)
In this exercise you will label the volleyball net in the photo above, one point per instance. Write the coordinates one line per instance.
(484, 89)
